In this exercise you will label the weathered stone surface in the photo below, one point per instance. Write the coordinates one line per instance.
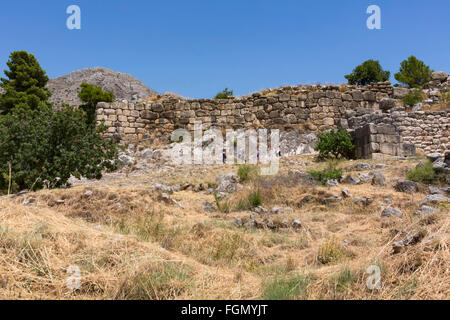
(378, 179)
(425, 210)
(439, 76)
(387, 103)
(125, 87)
(390, 211)
(406, 186)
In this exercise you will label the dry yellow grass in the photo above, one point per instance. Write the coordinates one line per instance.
(130, 245)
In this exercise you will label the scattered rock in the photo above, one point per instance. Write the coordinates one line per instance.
(364, 201)
(209, 206)
(425, 210)
(434, 156)
(332, 183)
(345, 193)
(260, 210)
(410, 240)
(296, 224)
(378, 179)
(435, 199)
(228, 183)
(361, 166)
(406, 186)
(349, 179)
(434, 190)
(390, 211)
(280, 210)
(364, 177)
(381, 166)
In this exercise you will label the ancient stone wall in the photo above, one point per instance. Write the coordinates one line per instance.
(375, 114)
(310, 108)
(398, 133)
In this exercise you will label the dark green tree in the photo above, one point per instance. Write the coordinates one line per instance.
(335, 144)
(414, 73)
(25, 86)
(368, 72)
(90, 95)
(224, 94)
(44, 147)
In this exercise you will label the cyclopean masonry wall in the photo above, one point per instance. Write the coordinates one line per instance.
(400, 133)
(310, 108)
(304, 109)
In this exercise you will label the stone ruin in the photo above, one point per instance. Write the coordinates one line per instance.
(374, 114)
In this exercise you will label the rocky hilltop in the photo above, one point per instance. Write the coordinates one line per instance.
(65, 89)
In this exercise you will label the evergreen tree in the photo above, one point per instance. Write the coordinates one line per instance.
(90, 95)
(414, 73)
(25, 86)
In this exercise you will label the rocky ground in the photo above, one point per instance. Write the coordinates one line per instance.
(155, 231)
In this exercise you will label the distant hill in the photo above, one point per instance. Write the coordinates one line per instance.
(65, 89)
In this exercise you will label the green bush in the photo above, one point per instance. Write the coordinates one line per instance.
(329, 173)
(90, 95)
(335, 143)
(253, 200)
(45, 147)
(247, 172)
(423, 173)
(413, 97)
(224, 94)
(413, 73)
(368, 72)
(25, 86)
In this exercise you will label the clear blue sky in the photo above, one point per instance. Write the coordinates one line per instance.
(198, 47)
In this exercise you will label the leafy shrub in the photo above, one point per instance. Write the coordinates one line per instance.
(329, 173)
(46, 147)
(286, 288)
(413, 73)
(25, 86)
(253, 200)
(368, 72)
(423, 173)
(247, 172)
(91, 95)
(224, 94)
(335, 143)
(413, 97)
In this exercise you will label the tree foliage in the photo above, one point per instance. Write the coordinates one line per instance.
(90, 95)
(25, 86)
(414, 73)
(40, 146)
(335, 143)
(45, 147)
(224, 94)
(368, 72)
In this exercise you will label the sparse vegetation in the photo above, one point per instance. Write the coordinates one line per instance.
(247, 172)
(224, 94)
(413, 97)
(286, 288)
(331, 172)
(424, 173)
